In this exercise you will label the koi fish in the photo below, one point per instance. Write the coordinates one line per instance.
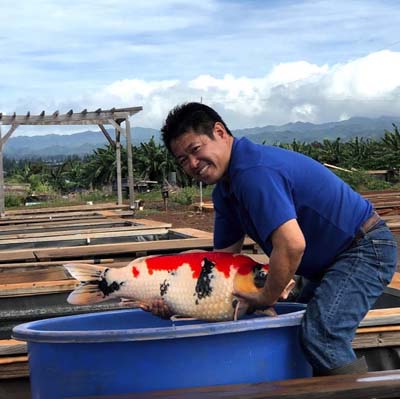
(194, 284)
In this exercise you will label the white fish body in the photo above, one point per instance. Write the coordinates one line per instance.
(195, 284)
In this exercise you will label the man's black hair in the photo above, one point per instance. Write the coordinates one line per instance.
(190, 117)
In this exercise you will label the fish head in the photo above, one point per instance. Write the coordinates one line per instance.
(253, 280)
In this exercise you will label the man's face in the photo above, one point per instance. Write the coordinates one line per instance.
(201, 157)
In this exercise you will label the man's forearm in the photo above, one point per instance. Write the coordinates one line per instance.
(281, 270)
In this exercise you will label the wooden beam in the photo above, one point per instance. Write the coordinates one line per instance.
(116, 125)
(14, 367)
(108, 137)
(12, 347)
(377, 337)
(378, 384)
(130, 163)
(37, 288)
(379, 317)
(118, 159)
(70, 118)
(8, 134)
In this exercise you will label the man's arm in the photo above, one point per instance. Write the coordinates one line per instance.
(288, 248)
(234, 248)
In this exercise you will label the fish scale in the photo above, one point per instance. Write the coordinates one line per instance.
(199, 285)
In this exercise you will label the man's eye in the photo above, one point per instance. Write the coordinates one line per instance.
(195, 149)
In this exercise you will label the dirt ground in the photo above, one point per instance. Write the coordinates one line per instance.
(179, 215)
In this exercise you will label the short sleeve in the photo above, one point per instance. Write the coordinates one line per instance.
(227, 228)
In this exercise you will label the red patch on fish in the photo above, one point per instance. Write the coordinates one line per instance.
(223, 261)
(135, 271)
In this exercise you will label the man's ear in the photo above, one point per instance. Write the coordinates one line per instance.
(219, 130)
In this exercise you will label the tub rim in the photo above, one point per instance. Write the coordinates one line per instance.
(31, 332)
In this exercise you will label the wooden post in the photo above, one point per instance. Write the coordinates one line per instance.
(130, 164)
(118, 156)
(2, 199)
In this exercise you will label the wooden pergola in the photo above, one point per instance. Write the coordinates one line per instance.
(114, 117)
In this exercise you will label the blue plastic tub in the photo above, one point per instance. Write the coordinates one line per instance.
(128, 351)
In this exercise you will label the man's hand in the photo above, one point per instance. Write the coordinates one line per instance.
(255, 300)
(258, 300)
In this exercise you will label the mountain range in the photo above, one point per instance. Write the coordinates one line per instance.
(57, 146)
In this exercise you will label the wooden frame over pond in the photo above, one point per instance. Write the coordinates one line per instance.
(114, 117)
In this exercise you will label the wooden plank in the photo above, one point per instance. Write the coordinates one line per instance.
(25, 255)
(42, 222)
(381, 384)
(22, 266)
(55, 226)
(14, 367)
(71, 118)
(12, 347)
(376, 339)
(99, 229)
(102, 206)
(52, 216)
(37, 272)
(105, 250)
(62, 240)
(49, 273)
(377, 317)
(395, 283)
(36, 288)
(175, 245)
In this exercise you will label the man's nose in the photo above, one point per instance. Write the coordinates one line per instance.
(193, 162)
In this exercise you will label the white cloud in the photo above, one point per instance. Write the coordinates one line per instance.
(257, 62)
(290, 92)
(373, 76)
(297, 91)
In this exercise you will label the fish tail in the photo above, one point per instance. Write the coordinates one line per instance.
(92, 283)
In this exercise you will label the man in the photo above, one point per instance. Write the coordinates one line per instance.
(306, 219)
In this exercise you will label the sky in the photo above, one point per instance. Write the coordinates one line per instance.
(257, 62)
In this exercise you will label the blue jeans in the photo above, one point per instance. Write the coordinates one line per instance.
(343, 296)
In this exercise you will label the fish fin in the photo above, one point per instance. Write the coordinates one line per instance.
(271, 312)
(90, 277)
(176, 317)
(240, 309)
(131, 303)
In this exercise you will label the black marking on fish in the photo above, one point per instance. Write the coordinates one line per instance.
(164, 287)
(203, 285)
(105, 287)
(234, 303)
(259, 275)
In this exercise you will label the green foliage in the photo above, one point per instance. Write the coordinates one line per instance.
(152, 161)
(185, 196)
(96, 196)
(361, 181)
(13, 200)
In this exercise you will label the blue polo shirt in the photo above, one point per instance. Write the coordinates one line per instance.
(267, 186)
